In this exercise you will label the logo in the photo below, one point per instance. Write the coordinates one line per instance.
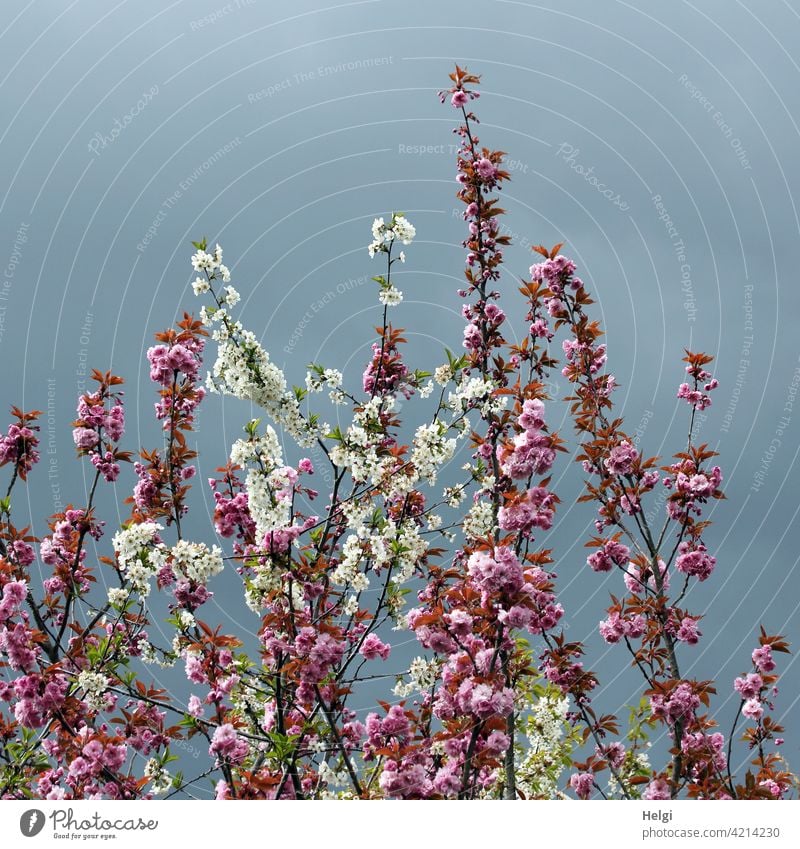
(31, 822)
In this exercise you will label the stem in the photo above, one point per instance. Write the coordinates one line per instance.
(730, 747)
(78, 549)
(385, 315)
(510, 790)
(339, 743)
(170, 470)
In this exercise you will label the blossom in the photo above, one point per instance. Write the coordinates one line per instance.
(657, 790)
(19, 445)
(553, 271)
(227, 745)
(486, 169)
(688, 631)
(774, 788)
(166, 361)
(611, 553)
(497, 571)
(679, 704)
(762, 658)
(753, 709)
(195, 561)
(749, 686)
(534, 509)
(373, 647)
(106, 465)
(94, 685)
(621, 459)
(85, 438)
(399, 229)
(582, 783)
(13, 594)
(390, 296)
(695, 560)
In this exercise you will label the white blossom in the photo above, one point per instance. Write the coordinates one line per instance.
(443, 374)
(195, 561)
(94, 686)
(160, 779)
(118, 596)
(479, 522)
(200, 285)
(399, 229)
(140, 553)
(390, 296)
(431, 450)
(347, 573)
(232, 297)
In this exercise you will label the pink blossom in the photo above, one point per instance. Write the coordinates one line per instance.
(164, 362)
(541, 329)
(114, 422)
(17, 645)
(516, 616)
(553, 270)
(14, 593)
(227, 745)
(657, 790)
(23, 553)
(534, 510)
(486, 170)
(695, 560)
(688, 631)
(497, 742)
(106, 465)
(532, 416)
(485, 702)
(194, 669)
(406, 780)
(774, 788)
(612, 629)
(373, 647)
(232, 514)
(93, 750)
(750, 686)
(604, 558)
(85, 438)
(195, 706)
(582, 783)
(635, 582)
(762, 658)
(499, 571)
(18, 446)
(680, 704)
(621, 459)
(459, 622)
(472, 337)
(532, 453)
(753, 709)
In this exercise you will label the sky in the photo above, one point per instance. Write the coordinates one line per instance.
(658, 141)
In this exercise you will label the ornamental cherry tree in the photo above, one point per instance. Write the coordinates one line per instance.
(496, 702)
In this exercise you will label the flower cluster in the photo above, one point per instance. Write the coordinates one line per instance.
(99, 427)
(19, 444)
